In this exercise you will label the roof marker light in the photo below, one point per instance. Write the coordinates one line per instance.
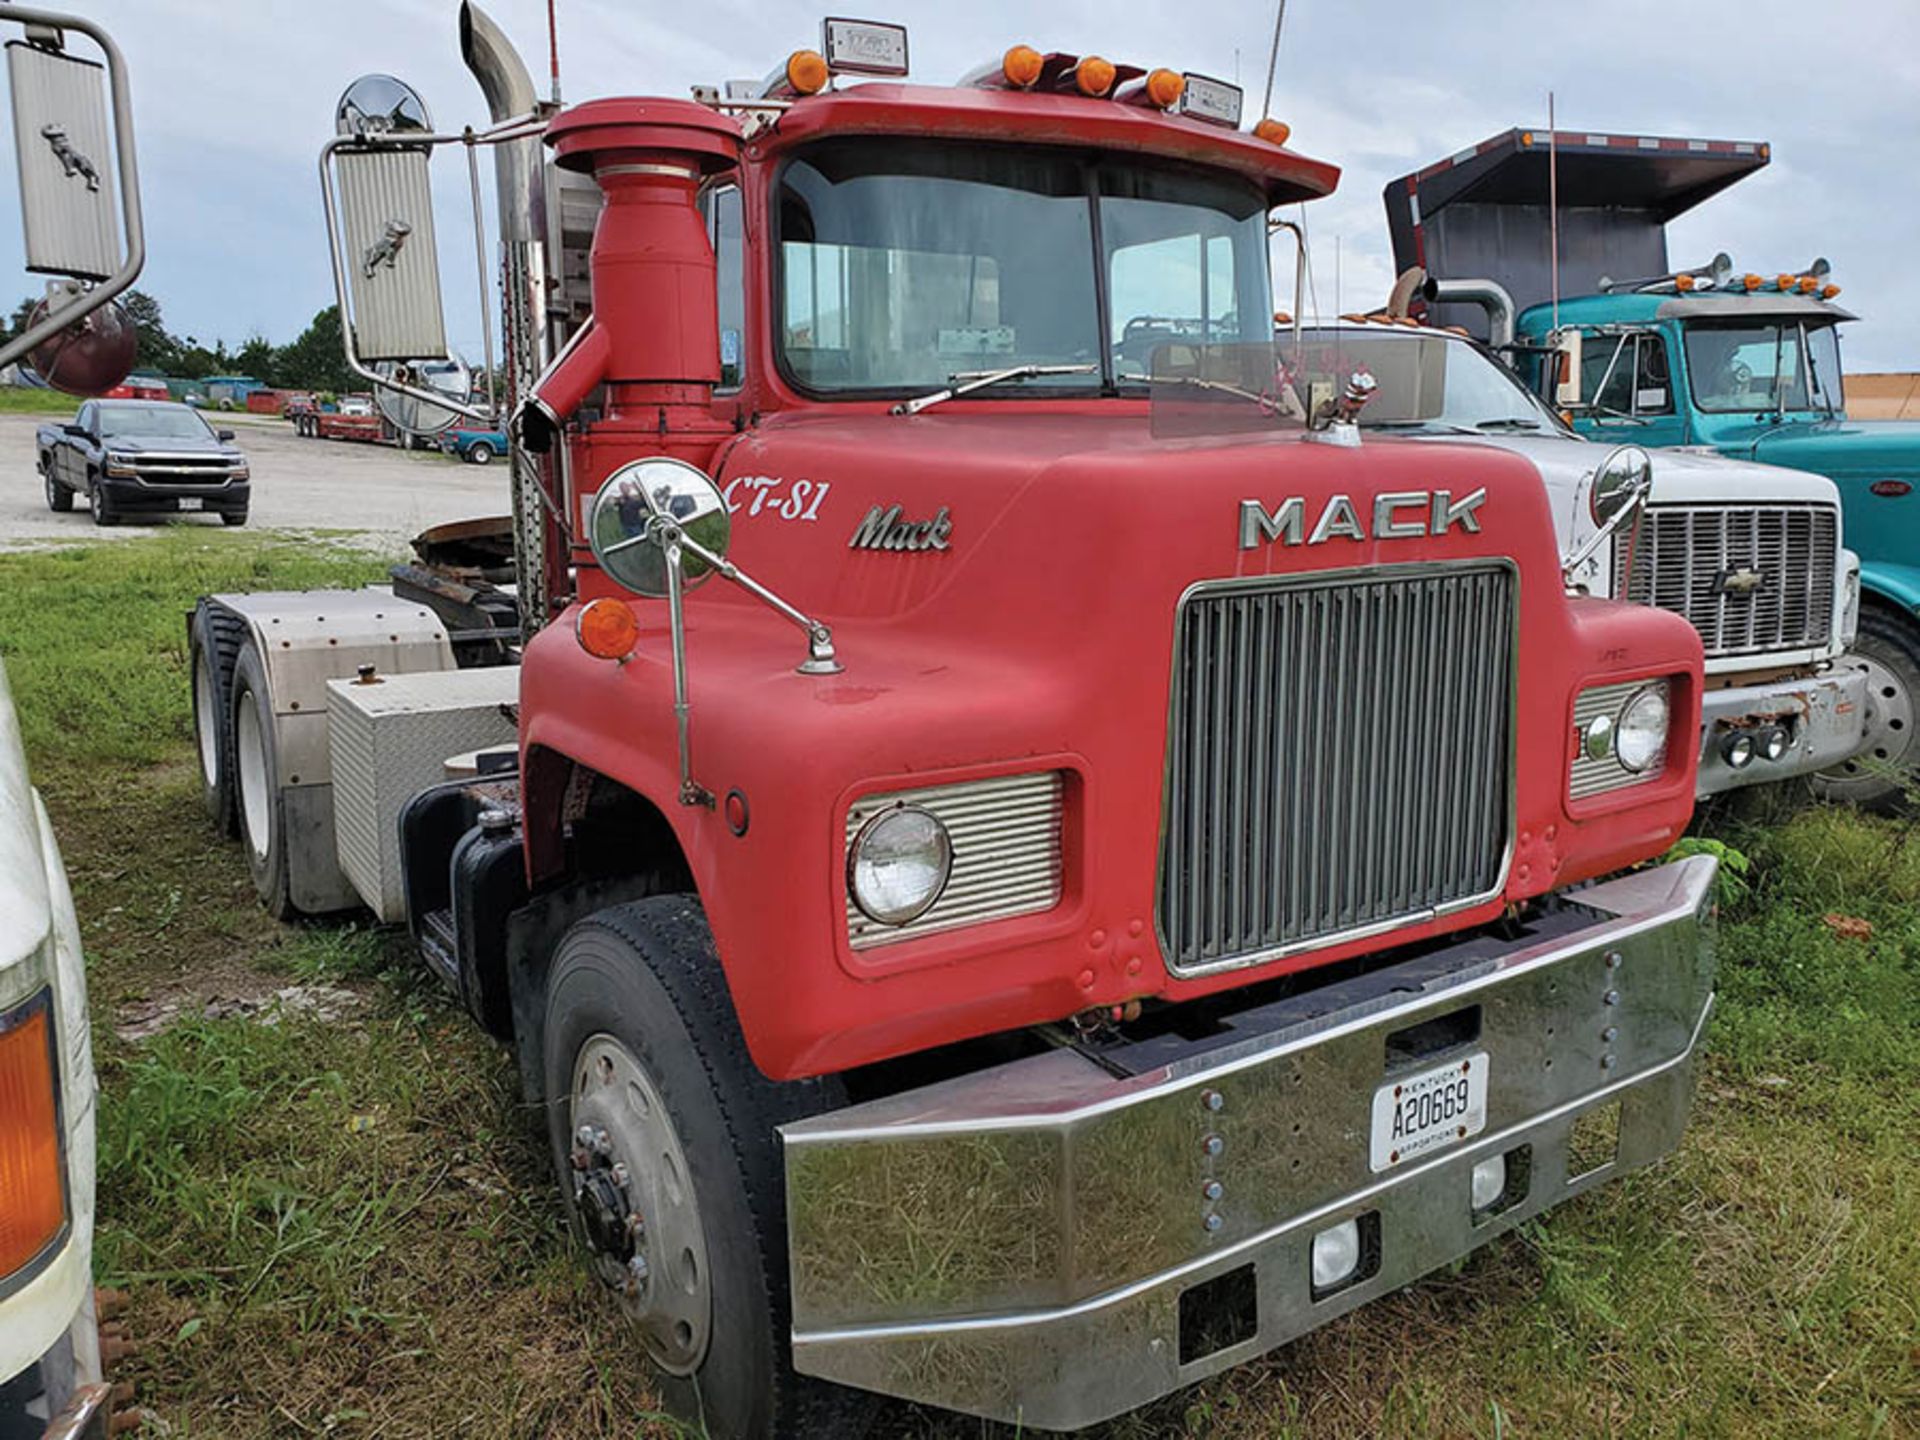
(1751, 281)
(1827, 292)
(1808, 285)
(863, 47)
(1093, 76)
(1164, 88)
(1021, 66)
(1214, 101)
(1274, 132)
(1786, 282)
(1683, 283)
(807, 72)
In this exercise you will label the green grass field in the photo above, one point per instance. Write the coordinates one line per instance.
(344, 1226)
(20, 400)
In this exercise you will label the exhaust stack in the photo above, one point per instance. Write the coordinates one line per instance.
(654, 338)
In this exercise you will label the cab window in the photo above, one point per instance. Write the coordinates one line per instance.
(1626, 374)
(727, 233)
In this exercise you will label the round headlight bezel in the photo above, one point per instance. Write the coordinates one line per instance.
(868, 904)
(1625, 735)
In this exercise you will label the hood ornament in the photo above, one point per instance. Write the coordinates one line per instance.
(1337, 421)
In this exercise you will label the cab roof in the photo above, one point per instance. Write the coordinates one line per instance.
(1034, 118)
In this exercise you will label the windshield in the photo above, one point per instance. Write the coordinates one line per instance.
(904, 264)
(1427, 381)
(1762, 367)
(146, 422)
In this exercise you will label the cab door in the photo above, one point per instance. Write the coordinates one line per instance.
(70, 458)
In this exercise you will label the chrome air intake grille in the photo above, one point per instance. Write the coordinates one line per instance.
(1750, 578)
(1006, 852)
(1339, 757)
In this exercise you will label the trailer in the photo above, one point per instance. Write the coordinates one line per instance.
(972, 763)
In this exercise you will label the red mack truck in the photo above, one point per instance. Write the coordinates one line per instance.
(1022, 864)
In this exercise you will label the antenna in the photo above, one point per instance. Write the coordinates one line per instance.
(553, 50)
(1273, 58)
(1553, 205)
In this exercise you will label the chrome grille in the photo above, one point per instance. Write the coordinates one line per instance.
(1685, 554)
(1339, 757)
(1006, 852)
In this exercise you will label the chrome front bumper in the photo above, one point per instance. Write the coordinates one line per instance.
(1049, 1242)
(1825, 717)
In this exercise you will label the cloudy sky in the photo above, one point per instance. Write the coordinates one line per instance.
(232, 101)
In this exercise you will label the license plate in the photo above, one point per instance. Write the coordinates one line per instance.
(1428, 1111)
(192, 502)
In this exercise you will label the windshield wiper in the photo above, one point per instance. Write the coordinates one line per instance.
(1511, 422)
(967, 381)
(1437, 427)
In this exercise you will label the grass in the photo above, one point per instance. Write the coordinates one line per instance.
(344, 1227)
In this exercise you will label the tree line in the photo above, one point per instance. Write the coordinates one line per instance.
(311, 362)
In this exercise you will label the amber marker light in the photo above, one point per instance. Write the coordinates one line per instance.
(1808, 285)
(807, 72)
(1683, 283)
(1785, 282)
(1752, 282)
(1827, 292)
(1274, 132)
(33, 1202)
(1093, 75)
(1021, 67)
(606, 629)
(1165, 87)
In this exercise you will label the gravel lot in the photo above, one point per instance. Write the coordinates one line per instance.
(389, 495)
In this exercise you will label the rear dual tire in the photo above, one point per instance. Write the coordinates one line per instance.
(259, 803)
(215, 636)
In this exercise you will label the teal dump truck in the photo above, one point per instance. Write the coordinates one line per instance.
(1716, 358)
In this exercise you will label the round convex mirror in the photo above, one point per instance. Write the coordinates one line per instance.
(1625, 472)
(449, 377)
(626, 539)
(381, 105)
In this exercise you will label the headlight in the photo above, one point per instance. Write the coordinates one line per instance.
(899, 864)
(1640, 734)
(120, 465)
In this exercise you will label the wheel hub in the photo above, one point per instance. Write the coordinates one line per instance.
(1889, 729)
(633, 1195)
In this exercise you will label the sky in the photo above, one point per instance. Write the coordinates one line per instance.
(232, 102)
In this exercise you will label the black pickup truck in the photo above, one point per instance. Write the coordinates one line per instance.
(131, 458)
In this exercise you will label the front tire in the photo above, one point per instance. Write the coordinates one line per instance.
(233, 517)
(260, 806)
(1880, 778)
(100, 504)
(653, 1102)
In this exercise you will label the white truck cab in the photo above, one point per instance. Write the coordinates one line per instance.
(1751, 554)
(49, 1346)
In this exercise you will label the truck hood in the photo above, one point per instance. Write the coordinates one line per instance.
(137, 444)
(1679, 477)
(1873, 448)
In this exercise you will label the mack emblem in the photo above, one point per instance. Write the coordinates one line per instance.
(1397, 515)
(1738, 582)
(884, 529)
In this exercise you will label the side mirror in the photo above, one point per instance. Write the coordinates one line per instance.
(412, 415)
(1566, 371)
(73, 138)
(223, 434)
(385, 242)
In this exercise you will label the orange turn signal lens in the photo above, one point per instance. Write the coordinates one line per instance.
(33, 1201)
(1808, 285)
(1274, 132)
(1093, 75)
(1827, 292)
(1785, 282)
(607, 629)
(1683, 283)
(1021, 66)
(807, 72)
(1165, 87)
(1752, 282)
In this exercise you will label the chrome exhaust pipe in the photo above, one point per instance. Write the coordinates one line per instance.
(520, 176)
(1489, 295)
